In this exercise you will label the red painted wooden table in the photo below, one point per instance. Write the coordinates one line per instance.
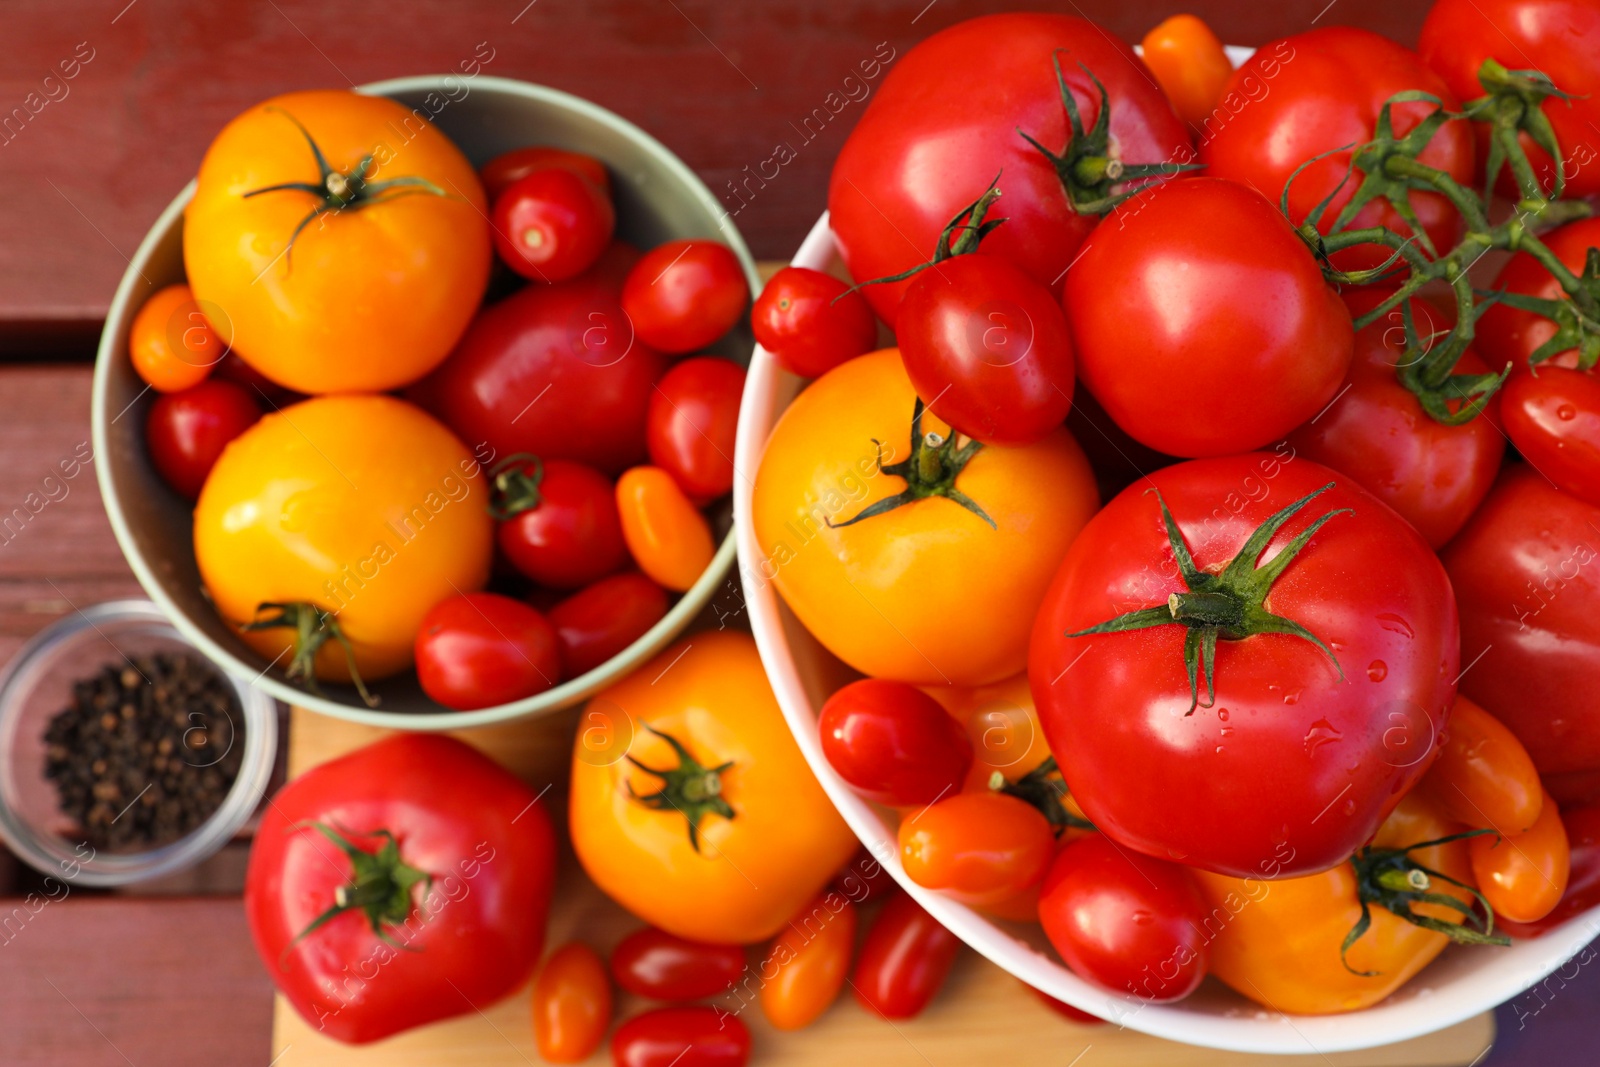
(105, 108)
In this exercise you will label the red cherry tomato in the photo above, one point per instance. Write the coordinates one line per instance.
(600, 620)
(653, 963)
(1553, 417)
(693, 418)
(987, 349)
(1126, 920)
(477, 650)
(812, 322)
(683, 295)
(571, 1004)
(1434, 475)
(1510, 335)
(697, 1036)
(1583, 880)
(518, 163)
(559, 523)
(552, 225)
(893, 743)
(187, 431)
(1198, 288)
(904, 960)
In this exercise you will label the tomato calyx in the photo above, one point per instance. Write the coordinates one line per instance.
(340, 190)
(691, 788)
(312, 626)
(1229, 604)
(1577, 317)
(380, 885)
(1043, 788)
(1085, 165)
(1390, 879)
(514, 488)
(1513, 106)
(931, 470)
(960, 236)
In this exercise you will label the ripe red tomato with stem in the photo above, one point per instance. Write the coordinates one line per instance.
(1376, 431)
(1583, 880)
(504, 169)
(1130, 922)
(1521, 337)
(1552, 415)
(186, 431)
(1324, 91)
(1525, 578)
(904, 960)
(600, 620)
(558, 521)
(691, 1036)
(691, 424)
(683, 295)
(552, 224)
(894, 743)
(1264, 638)
(947, 118)
(812, 322)
(477, 650)
(1198, 288)
(653, 963)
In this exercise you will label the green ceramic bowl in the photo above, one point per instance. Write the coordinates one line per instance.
(658, 199)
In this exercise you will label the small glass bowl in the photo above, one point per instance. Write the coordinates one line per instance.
(38, 683)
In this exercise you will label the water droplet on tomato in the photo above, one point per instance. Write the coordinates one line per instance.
(1566, 412)
(1219, 750)
(1377, 670)
(1322, 732)
(1226, 731)
(1142, 917)
(1222, 714)
(1396, 625)
(1292, 697)
(1350, 807)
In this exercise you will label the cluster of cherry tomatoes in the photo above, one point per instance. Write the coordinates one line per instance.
(1321, 662)
(562, 443)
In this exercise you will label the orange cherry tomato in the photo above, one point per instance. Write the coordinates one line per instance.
(808, 962)
(665, 532)
(1002, 725)
(171, 344)
(979, 848)
(1523, 875)
(571, 1004)
(1483, 777)
(1191, 65)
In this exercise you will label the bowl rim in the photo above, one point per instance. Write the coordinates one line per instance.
(104, 869)
(560, 697)
(1258, 1030)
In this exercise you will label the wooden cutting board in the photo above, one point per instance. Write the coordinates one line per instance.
(983, 1016)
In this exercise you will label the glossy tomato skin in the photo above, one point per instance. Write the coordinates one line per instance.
(1129, 922)
(1508, 335)
(1376, 432)
(602, 619)
(1582, 826)
(1530, 617)
(1483, 778)
(1320, 92)
(552, 224)
(554, 370)
(1558, 37)
(477, 650)
(1291, 768)
(509, 167)
(1524, 875)
(812, 322)
(683, 295)
(893, 743)
(1197, 288)
(808, 964)
(665, 533)
(904, 960)
(1553, 417)
(928, 144)
(571, 1004)
(653, 963)
(982, 848)
(573, 535)
(697, 1036)
(691, 424)
(988, 349)
(457, 815)
(187, 431)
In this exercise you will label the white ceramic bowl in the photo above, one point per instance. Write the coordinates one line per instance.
(1461, 983)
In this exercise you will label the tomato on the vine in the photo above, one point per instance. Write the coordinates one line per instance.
(558, 521)
(812, 322)
(187, 431)
(600, 620)
(691, 424)
(552, 224)
(683, 295)
(477, 650)
(893, 743)
(653, 963)
(904, 960)
(1512, 335)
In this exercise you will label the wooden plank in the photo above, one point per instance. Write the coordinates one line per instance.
(88, 162)
(983, 1014)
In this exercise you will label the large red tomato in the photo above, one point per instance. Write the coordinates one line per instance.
(946, 121)
(1558, 37)
(1202, 323)
(1528, 580)
(1319, 92)
(1277, 752)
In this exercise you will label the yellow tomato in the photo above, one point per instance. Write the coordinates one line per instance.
(927, 592)
(364, 507)
(359, 275)
(735, 834)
